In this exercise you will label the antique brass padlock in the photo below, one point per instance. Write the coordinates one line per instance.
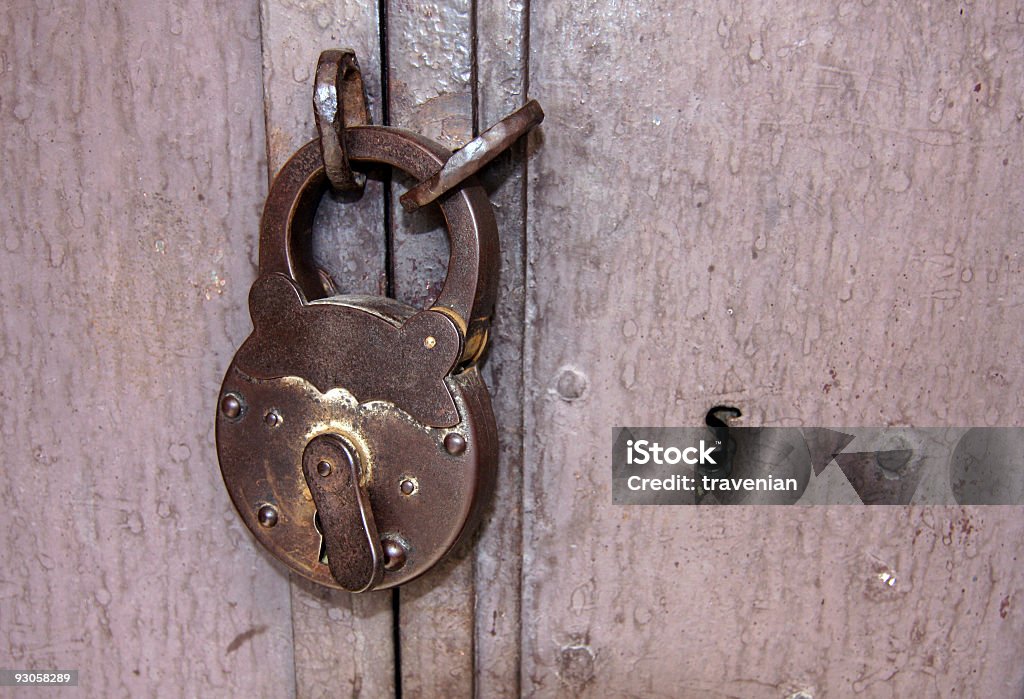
(354, 433)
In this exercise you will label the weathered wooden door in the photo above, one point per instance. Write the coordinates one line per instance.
(811, 212)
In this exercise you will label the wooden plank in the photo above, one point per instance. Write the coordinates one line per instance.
(811, 212)
(344, 643)
(501, 56)
(430, 91)
(132, 170)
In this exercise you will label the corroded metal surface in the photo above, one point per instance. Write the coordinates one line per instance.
(473, 156)
(262, 465)
(397, 371)
(468, 285)
(380, 354)
(339, 103)
(348, 530)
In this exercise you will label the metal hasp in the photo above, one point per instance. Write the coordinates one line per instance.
(339, 103)
(354, 433)
(469, 159)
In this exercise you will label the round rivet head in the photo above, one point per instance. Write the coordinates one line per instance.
(454, 443)
(273, 418)
(407, 486)
(324, 468)
(394, 552)
(267, 516)
(231, 405)
(430, 342)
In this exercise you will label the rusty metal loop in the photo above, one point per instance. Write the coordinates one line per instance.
(339, 103)
(467, 295)
(469, 159)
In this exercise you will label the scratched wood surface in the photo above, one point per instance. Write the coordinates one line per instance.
(811, 212)
(344, 643)
(132, 169)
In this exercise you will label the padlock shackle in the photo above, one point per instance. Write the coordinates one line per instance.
(468, 292)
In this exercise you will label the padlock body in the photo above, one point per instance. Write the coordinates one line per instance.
(388, 391)
(290, 390)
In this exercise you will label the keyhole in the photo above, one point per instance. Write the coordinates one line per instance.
(322, 557)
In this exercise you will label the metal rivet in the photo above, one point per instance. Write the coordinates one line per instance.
(408, 486)
(273, 418)
(429, 342)
(231, 405)
(455, 443)
(324, 468)
(267, 516)
(395, 553)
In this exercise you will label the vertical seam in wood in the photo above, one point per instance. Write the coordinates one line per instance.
(291, 625)
(266, 118)
(524, 250)
(396, 639)
(474, 67)
(385, 117)
(389, 290)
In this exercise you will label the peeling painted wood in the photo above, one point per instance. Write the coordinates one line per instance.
(343, 642)
(810, 212)
(133, 170)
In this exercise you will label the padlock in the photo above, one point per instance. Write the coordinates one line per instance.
(355, 434)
